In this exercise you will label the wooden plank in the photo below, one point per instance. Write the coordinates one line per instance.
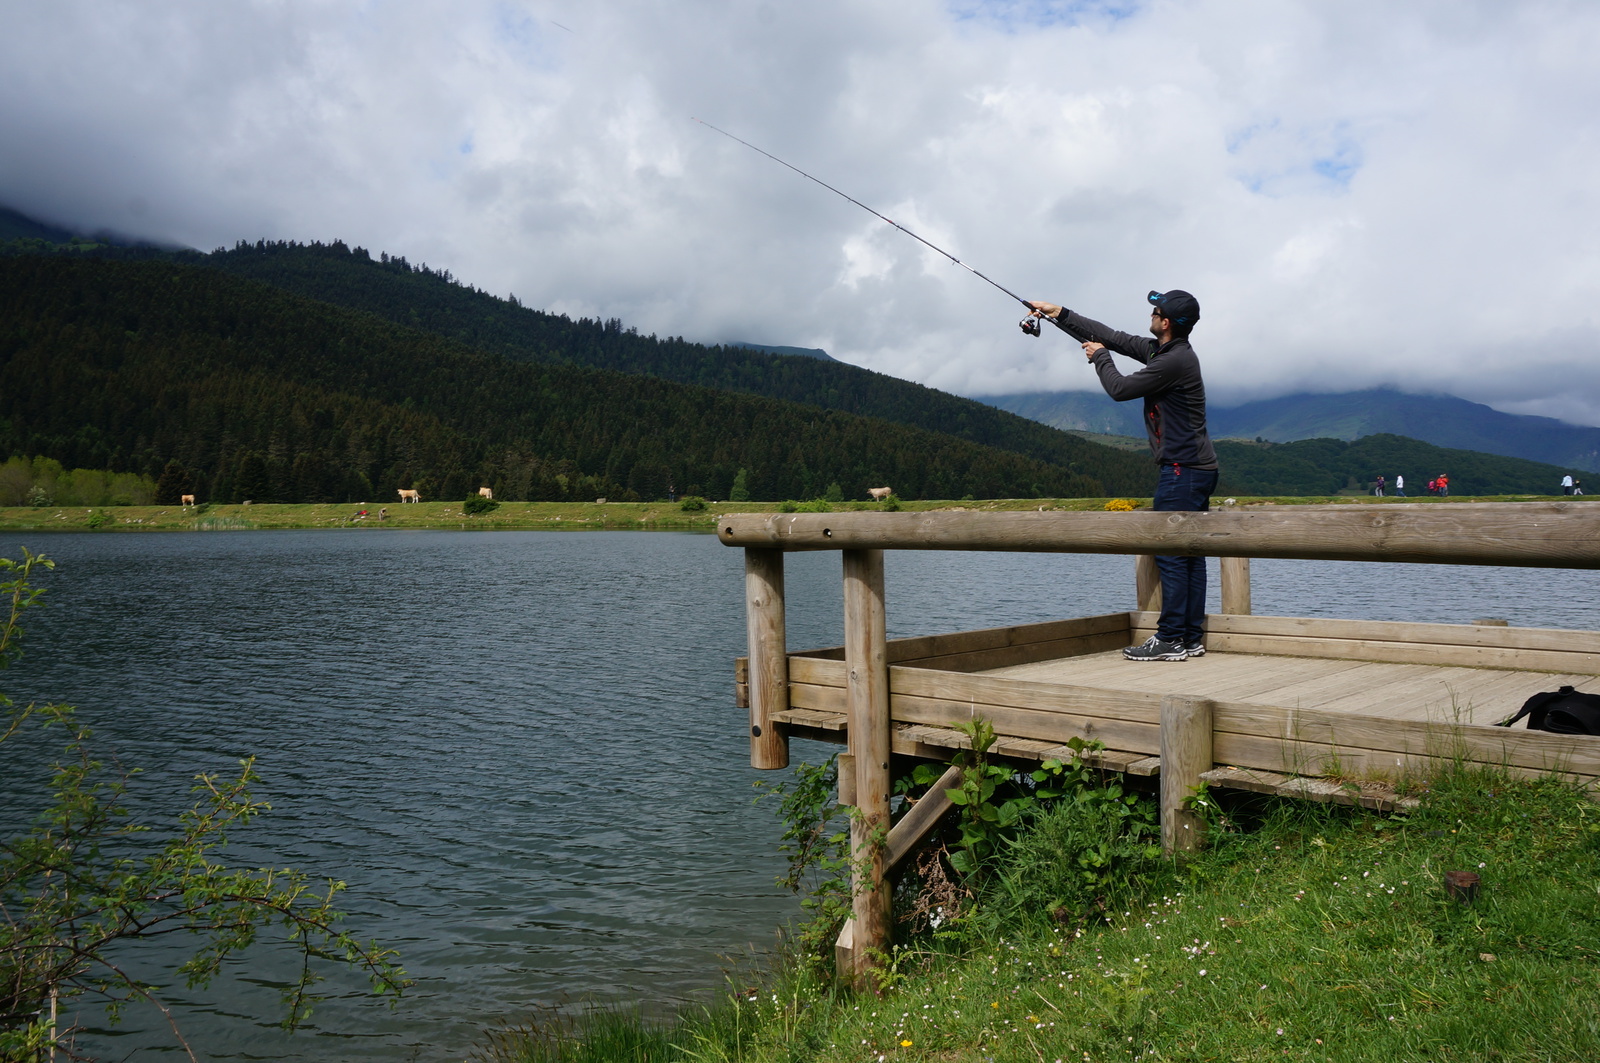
(867, 693)
(828, 721)
(1025, 694)
(1002, 656)
(960, 642)
(921, 820)
(826, 699)
(1052, 725)
(1186, 752)
(1554, 534)
(1147, 583)
(817, 672)
(1353, 756)
(1518, 638)
(1145, 766)
(1417, 653)
(1234, 573)
(768, 665)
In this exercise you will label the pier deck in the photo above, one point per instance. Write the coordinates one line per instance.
(1340, 710)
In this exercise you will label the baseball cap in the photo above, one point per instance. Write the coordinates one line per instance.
(1180, 306)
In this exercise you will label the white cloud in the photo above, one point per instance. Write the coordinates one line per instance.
(1360, 193)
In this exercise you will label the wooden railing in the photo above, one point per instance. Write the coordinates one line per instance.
(1556, 534)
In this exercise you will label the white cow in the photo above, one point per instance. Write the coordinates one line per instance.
(186, 500)
(408, 495)
(485, 492)
(880, 493)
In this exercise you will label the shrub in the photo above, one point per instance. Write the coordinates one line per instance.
(97, 520)
(39, 497)
(692, 504)
(477, 504)
(1122, 505)
(892, 504)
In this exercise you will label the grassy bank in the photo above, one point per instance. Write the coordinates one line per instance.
(1306, 932)
(557, 516)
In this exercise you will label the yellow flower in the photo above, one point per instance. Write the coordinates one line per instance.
(905, 1044)
(996, 1004)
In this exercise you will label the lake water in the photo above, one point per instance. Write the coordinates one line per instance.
(519, 749)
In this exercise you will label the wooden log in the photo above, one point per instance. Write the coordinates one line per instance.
(1555, 534)
(847, 779)
(921, 820)
(769, 656)
(1147, 583)
(1185, 756)
(867, 690)
(1236, 585)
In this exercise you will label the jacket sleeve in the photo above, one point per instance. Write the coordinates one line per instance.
(1081, 328)
(1147, 381)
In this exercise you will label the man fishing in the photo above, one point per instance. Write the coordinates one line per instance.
(1175, 418)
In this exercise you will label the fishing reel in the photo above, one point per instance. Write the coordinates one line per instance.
(1030, 324)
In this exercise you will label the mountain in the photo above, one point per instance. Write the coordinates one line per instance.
(14, 225)
(1329, 466)
(801, 352)
(1443, 420)
(255, 392)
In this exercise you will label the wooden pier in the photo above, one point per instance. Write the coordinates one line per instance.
(1332, 710)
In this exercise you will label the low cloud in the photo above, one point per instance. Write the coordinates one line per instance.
(1360, 194)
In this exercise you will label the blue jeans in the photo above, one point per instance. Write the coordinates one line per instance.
(1183, 579)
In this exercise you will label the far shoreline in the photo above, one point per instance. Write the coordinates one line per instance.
(567, 516)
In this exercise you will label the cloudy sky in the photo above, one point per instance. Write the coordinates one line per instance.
(1360, 193)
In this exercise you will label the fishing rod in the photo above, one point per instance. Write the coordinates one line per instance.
(1030, 324)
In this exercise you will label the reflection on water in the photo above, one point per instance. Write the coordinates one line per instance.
(520, 749)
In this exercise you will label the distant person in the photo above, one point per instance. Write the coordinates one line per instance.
(1377, 486)
(1399, 486)
(1444, 486)
(1566, 484)
(1175, 419)
(1577, 487)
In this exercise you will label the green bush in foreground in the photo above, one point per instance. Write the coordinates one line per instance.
(475, 505)
(1313, 932)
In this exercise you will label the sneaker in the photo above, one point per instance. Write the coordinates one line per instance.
(1197, 649)
(1155, 648)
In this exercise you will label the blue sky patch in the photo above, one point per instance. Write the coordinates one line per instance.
(1035, 14)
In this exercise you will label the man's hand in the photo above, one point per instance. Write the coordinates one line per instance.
(1091, 348)
(1049, 310)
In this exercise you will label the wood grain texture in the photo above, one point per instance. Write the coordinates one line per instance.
(867, 693)
(1186, 753)
(768, 665)
(1554, 534)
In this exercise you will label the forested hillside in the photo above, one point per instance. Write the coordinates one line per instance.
(262, 394)
(419, 297)
(1327, 466)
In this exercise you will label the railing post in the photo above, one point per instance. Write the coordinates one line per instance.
(1236, 585)
(867, 692)
(1186, 741)
(769, 656)
(1147, 583)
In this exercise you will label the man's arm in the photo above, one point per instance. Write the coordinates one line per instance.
(1083, 329)
(1147, 381)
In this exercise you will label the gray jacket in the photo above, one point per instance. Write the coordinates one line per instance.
(1174, 394)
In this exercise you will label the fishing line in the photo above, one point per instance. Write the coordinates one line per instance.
(1030, 324)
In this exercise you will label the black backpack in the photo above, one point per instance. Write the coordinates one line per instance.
(1564, 711)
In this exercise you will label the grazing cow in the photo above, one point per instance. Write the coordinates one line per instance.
(880, 493)
(186, 500)
(485, 492)
(408, 495)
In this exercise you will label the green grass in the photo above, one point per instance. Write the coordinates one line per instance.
(559, 516)
(1317, 933)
